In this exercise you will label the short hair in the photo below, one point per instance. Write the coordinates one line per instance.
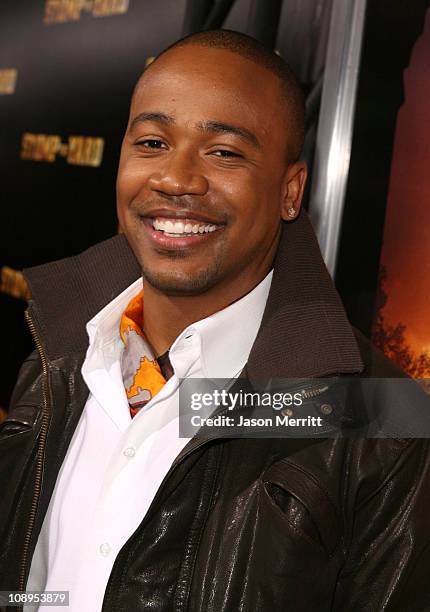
(252, 49)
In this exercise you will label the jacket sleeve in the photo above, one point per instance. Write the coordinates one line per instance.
(388, 545)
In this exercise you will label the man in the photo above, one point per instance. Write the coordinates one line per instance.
(102, 498)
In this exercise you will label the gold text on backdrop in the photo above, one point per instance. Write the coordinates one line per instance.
(78, 151)
(8, 77)
(61, 11)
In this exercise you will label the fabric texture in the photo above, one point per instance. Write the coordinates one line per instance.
(141, 371)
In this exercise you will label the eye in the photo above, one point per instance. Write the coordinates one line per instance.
(226, 153)
(151, 143)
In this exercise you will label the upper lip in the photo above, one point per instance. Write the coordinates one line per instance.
(180, 214)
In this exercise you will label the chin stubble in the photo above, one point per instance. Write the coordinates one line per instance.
(179, 284)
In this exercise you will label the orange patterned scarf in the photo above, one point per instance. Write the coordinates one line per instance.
(141, 371)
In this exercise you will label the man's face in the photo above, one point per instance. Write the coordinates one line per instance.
(202, 178)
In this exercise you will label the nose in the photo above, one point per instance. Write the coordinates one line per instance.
(179, 173)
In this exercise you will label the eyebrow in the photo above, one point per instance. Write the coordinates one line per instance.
(216, 127)
(157, 117)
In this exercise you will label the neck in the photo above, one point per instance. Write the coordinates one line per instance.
(166, 316)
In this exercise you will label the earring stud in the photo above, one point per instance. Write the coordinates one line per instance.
(291, 212)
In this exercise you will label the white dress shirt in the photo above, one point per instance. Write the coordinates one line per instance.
(115, 464)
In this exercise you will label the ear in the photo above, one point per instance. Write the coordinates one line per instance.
(293, 189)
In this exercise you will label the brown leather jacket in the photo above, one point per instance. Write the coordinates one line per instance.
(237, 524)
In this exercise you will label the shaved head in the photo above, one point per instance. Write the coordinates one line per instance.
(253, 50)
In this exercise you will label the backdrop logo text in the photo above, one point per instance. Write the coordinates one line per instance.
(8, 78)
(61, 11)
(78, 150)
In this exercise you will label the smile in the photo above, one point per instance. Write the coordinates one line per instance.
(173, 233)
(185, 227)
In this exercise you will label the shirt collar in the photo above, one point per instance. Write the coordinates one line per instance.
(104, 327)
(226, 337)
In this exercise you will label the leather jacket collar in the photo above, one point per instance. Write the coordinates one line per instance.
(304, 331)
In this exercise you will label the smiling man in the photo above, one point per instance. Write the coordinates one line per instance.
(218, 276)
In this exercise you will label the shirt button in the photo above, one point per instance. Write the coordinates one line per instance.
(129, 452)
(104, 549)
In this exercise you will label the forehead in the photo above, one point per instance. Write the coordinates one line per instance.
(195, 83)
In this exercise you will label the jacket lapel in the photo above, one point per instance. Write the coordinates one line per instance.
(304, 330)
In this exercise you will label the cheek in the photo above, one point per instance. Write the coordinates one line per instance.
(126, 186)
(240, 192)
(255, 205)
(257, 219)
(129, 179)
(133, 172)
(130, 184)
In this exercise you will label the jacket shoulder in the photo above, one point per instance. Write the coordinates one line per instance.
(27, 381)
(376, 364)
(68, 293)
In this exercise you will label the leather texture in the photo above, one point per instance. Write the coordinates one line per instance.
(239, 525)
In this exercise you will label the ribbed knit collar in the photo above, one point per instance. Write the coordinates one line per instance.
(304, 331)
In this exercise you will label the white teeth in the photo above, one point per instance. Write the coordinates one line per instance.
(176, 228)
(168, 227)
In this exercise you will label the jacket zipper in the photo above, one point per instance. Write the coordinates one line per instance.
(40, 451)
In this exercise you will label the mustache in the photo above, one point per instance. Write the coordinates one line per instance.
(186, 204)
